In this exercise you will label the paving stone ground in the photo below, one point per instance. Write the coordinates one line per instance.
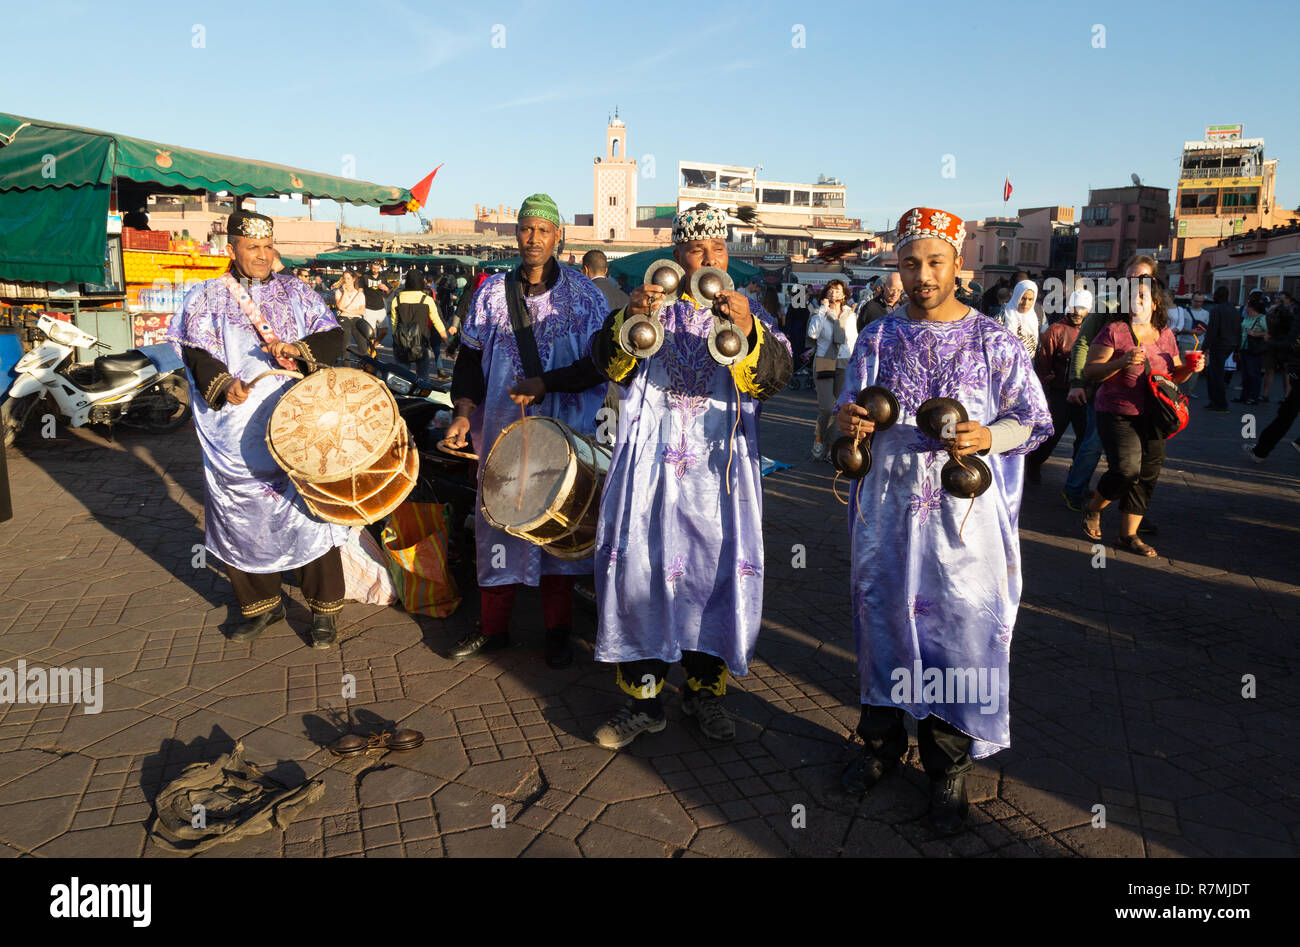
(1127, 685)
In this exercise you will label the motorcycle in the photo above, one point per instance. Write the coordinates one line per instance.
(144, 388)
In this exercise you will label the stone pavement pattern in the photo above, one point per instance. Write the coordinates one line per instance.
(1126, 692)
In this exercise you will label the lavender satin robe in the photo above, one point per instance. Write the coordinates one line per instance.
(926, 602)
(564, 319)
(254, 518)
(679, 557)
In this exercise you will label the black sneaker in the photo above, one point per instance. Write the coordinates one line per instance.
(559, 649)
(478, 643)
(948, 804)
(253, 627)
(324, 632)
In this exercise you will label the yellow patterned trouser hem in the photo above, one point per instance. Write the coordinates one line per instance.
(253, 609)
(324, 608)
(718, 688)
(637, 690)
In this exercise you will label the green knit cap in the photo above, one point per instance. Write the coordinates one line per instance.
(540, 205)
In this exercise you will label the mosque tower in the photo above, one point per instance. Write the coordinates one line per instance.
(614, 178)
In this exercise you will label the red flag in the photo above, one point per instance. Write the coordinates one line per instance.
(421, 191)
(1006, 190)
(419, 194)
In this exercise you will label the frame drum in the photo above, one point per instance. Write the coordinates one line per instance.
(541, 481)
(339, 437)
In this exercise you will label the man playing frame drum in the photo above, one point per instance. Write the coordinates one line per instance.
(526, 342)
(228, 331)
(679, 546)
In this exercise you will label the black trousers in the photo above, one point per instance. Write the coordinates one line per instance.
(1286, 415)
(322, 586)
(945, 750)
(1214, 377)
(1134, 456)
(1063, 413)
(703, 672)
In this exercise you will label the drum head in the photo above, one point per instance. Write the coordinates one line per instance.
(530, 467)
(333, 423)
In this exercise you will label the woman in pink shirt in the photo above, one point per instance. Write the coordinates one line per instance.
(1118, 359)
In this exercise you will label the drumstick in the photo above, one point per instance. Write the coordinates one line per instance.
(443, 446)
(274, 371)
(523, 461)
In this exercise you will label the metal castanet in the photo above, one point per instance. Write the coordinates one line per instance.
(964, 477)
(851, 455)
(339, 436)
(727, 345)
(553, 501)
(642, 335)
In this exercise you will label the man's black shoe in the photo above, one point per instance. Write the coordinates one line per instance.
(323, 631)
(559, 650)
(253, 627)
(1217, 408)
(948, 804)
(864, 772)
(478, 643)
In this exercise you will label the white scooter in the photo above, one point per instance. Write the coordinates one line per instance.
(144, 388)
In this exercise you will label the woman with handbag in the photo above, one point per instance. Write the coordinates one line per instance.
(831, 332)
(1254, 345)
(1119, 359)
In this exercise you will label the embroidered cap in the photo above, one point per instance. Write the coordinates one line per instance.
(921, 222)
(245, 223)
(701, 222)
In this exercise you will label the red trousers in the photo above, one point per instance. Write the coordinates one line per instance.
(498, 601)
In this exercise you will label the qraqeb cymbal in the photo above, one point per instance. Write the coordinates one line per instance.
(965, 477)
(851, 456)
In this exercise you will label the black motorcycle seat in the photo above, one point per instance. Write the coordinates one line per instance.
(109, 366)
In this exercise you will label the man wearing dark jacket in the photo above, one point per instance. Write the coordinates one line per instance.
(1222, 338)
(596, 268)
(888, 292)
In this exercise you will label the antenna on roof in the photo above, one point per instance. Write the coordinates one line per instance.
(1135, 179)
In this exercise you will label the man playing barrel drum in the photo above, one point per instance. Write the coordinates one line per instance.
(679, 548)
(228, 331)
(537, 358)
(936, 574)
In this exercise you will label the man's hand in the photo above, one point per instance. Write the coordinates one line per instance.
(282, 350)
(529, 391)
(854, 421)
(644, 300)
(1077, 396)
(458, 433)
(237, 392)
(735, 306)
(970, 437)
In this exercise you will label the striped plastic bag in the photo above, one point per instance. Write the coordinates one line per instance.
(415, 540)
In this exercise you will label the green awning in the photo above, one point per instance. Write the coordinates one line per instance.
(55, 182)
(54, 235)
(47, 154)
(630, 270)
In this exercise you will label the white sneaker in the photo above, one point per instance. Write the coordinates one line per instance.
(819, 451)
(1250, 449)
(626, 725)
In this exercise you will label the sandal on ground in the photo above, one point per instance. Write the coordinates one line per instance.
(1134, 545)
(1092, 524)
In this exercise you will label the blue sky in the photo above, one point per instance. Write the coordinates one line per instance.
(877, 96)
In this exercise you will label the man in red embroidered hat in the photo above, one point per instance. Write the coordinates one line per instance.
(935, 573)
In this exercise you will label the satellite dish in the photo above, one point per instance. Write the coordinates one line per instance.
(596, 160)
(1135, 179)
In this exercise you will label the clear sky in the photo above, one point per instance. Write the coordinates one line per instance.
(513, 97)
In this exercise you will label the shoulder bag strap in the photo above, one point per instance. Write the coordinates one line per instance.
(522, 326)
